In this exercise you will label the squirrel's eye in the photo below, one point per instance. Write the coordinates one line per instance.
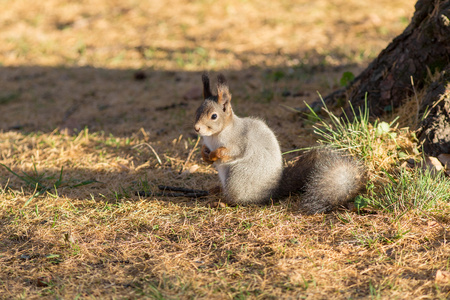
(214, 116)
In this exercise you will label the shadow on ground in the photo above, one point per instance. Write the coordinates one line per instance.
(121, 102)
(116, 127)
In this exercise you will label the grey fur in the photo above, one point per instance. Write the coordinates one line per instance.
(254, 173)
(245, 179)
(327, 178)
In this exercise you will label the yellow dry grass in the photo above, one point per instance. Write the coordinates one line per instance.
(73, 112)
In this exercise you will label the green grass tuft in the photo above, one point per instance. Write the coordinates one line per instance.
(353, 133)
(391, 189)
(415, 189)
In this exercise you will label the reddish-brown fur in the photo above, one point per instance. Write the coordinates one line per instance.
(220, 153)
(205, 154)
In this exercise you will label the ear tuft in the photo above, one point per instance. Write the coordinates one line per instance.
(221, 80)
(206, 87)
(223, 93)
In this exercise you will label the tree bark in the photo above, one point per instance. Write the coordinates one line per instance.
(422, 49)
(434, 129)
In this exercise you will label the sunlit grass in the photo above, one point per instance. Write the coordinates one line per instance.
(383, 148)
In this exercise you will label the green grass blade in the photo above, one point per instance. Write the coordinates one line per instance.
(59, 181)
(14, 173)
(86, 182)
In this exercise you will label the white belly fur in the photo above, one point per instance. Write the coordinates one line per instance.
(212, 144)
(222, 170)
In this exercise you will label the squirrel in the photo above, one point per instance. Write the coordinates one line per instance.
(247, 156)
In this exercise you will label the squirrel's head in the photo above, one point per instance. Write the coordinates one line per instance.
(215, 113)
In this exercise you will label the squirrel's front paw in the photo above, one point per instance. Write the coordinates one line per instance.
(220, 153)
(205, 154)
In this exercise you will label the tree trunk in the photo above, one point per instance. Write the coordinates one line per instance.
(422, 49)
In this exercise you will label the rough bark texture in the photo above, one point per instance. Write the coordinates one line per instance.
(434, 129)
(423, 46)
(422, 49)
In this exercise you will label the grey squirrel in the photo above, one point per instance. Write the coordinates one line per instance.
(248, 158)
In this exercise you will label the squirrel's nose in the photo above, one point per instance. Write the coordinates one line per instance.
(197, 128)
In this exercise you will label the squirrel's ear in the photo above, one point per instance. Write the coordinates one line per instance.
(223, 93)
(206, 87)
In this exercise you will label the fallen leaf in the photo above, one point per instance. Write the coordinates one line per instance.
(193, 168)
(216, 204)
(344, 250)
(432, 223)
(432, 163)
(442, 276)
(404, 165)
(375, 19)
(444, 159)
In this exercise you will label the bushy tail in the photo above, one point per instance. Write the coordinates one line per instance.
(328, 179)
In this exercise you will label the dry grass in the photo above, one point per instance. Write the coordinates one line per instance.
(189, 35)
(72, 106)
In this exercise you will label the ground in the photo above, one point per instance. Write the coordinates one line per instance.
(98, 100)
